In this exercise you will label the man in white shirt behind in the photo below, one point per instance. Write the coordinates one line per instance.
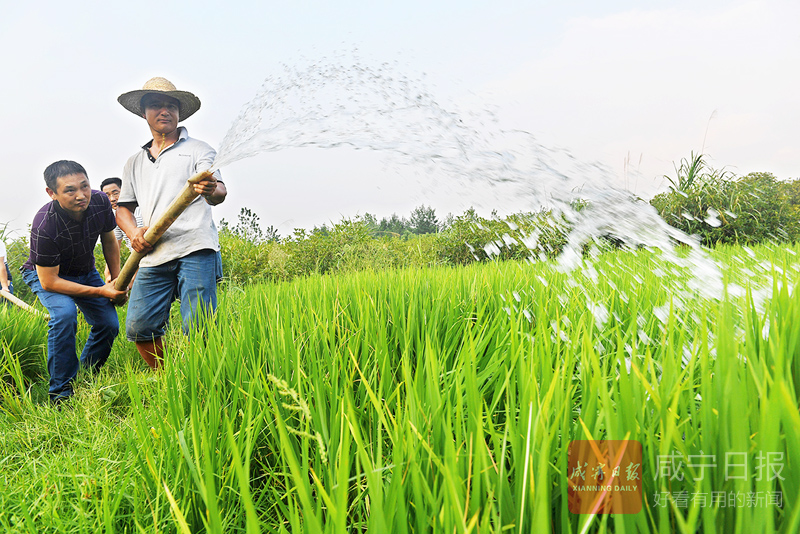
(112, 187)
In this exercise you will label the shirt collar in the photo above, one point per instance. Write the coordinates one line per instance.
(183, 134)
(61, 211)
(65, 214)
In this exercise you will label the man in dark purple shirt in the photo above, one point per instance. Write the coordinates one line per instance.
(61, 272)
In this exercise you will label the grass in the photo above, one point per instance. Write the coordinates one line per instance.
(22, 335)
(427, 400)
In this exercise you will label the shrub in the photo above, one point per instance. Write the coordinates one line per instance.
(245, 261)
(469, 238)
(722, 209)
(349, 246)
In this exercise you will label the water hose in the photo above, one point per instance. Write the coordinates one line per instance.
(157, 229)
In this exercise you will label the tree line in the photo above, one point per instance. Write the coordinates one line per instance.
(715, 205)
(423, 220)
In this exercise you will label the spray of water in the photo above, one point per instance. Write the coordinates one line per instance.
(335, 103)
(345, 101)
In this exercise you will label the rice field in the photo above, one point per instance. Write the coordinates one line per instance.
(430, 400)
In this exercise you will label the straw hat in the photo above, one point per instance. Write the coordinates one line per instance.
(132, 101)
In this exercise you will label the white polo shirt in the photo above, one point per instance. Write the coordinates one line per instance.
(155, 184)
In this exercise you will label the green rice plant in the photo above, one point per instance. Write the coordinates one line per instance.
(442, 399)
(431, 400)
(24, 343)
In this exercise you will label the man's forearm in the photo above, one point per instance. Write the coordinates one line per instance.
(57, 284)
(218, 196)
(125, 219)
(111, 253)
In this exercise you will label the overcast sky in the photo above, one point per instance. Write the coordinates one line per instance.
(613, 81)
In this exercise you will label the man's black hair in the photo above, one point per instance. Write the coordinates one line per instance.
(109, 181)
(56, 170)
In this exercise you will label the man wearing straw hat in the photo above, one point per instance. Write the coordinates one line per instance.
(61, 272)
(185, 261)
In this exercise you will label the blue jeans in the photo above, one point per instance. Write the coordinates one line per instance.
(62, 361)
(191, 278)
